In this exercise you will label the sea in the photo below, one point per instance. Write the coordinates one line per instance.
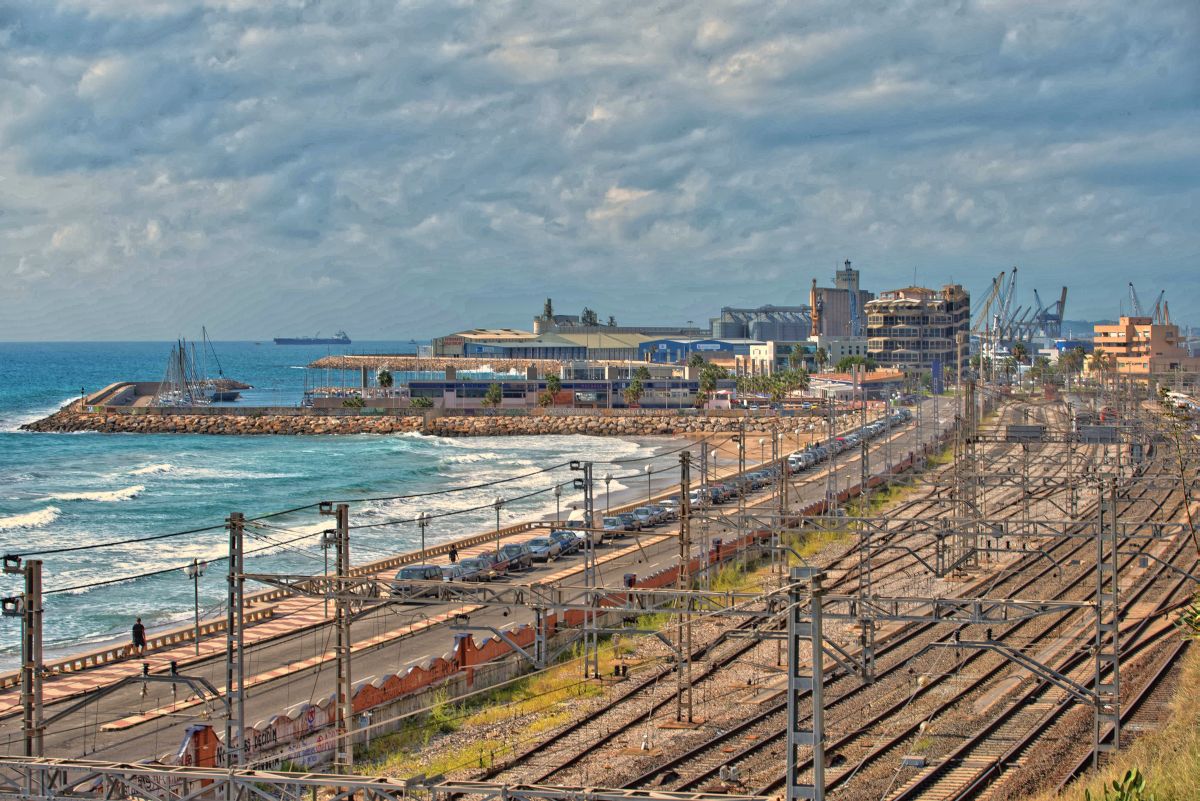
(59, 492)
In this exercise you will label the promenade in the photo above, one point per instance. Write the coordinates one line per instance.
(289, 655)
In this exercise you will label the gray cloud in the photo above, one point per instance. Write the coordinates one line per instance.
(326, 164)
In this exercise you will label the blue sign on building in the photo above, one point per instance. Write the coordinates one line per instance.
(939, 385)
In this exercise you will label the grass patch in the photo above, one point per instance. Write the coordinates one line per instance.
(1169, 759)
(810, 543)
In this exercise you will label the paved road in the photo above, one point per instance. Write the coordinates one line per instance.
(293, 669)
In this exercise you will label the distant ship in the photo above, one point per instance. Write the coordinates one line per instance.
(339, 338)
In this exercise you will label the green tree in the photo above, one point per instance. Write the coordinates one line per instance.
(354, 403)
(634, 392)
(421, 403)
(822, 358)
(493, 396)
(796, 357)
(847, 362)
(642, 373)
(384, 378)
(553, 384)
(695, 360)
(545, 399)
(709, 375)
(1020, 352)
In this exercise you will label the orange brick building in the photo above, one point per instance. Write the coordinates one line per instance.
(1142, 346)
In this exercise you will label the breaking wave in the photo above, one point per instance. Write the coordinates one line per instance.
(104, 496)
(152, 469)
(38, 519)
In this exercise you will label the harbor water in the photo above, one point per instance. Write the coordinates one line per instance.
(60, 491)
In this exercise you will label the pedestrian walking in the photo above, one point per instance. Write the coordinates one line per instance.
(453, 554)
(139, 637)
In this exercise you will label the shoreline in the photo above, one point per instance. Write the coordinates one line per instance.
(180, 620)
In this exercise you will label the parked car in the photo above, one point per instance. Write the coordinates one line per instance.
(452, 572)
(520, 557)
(661, 513)
(645, 516)
(672, 507)
(476, 569)
(544, 549)
(631, 521)
(614, 527)
(404, 583)
(498, 562)
(566, 540)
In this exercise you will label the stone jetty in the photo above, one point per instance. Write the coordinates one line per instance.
(71, 419)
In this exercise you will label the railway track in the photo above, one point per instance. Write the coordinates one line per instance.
(609, 723)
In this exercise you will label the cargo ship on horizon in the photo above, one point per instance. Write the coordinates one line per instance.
(339, 338)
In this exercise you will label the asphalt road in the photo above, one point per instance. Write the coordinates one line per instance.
(77, 735)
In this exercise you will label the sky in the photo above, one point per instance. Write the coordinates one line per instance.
(409, 169)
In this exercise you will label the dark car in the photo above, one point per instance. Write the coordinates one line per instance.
(519, 555)
(566, 540)
(407, 576)
(476, 569)
(630, 520)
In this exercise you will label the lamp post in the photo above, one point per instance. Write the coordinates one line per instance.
(557, 503)
(761, 442)
(423, 521)
(648, 490)
(328, 539)
(194, 571)
(498, 504)
(607, 482)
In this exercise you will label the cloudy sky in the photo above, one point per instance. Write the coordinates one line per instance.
(402, 169)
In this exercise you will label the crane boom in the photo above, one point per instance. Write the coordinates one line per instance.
(1135, 305)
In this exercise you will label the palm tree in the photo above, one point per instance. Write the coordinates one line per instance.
(384, 378)
(553, 384)
(1020, 352)
(493, 396)
(822, 357)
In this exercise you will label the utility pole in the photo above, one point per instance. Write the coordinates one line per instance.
(345, 681)
(683, 697)
(866, 626)
(591, 637)
(741, 440)
(813, 683)
(829, 462)
(705, 496)
(235, 663)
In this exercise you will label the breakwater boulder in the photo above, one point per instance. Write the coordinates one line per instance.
(71, 419)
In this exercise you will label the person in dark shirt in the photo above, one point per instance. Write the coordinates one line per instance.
(139, 637)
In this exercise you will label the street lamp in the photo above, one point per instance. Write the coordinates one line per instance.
(761, 442)
(423, 521)
(648, 490)
(498, 504)
(328, 539)
(194, 571)
(607, 481)
(557, 503)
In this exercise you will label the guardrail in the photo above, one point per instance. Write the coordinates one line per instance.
(116, 653)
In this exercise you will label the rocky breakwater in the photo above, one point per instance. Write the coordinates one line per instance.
(70, 419)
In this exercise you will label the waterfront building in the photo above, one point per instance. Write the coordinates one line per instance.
(677, 351)
(839, 347)
(878, 384)
(916, 328)
(836, 309)
(606, 393)
(772, 357)
(1143, 346)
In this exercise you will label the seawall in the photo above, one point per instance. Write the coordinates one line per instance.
(99, 419)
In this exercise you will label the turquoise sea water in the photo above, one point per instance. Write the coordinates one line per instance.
(64, 490)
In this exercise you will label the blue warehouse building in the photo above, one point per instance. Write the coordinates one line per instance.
(677, 351)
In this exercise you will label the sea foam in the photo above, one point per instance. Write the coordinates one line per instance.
(104, 496)
(38, 519)
(152, 469)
